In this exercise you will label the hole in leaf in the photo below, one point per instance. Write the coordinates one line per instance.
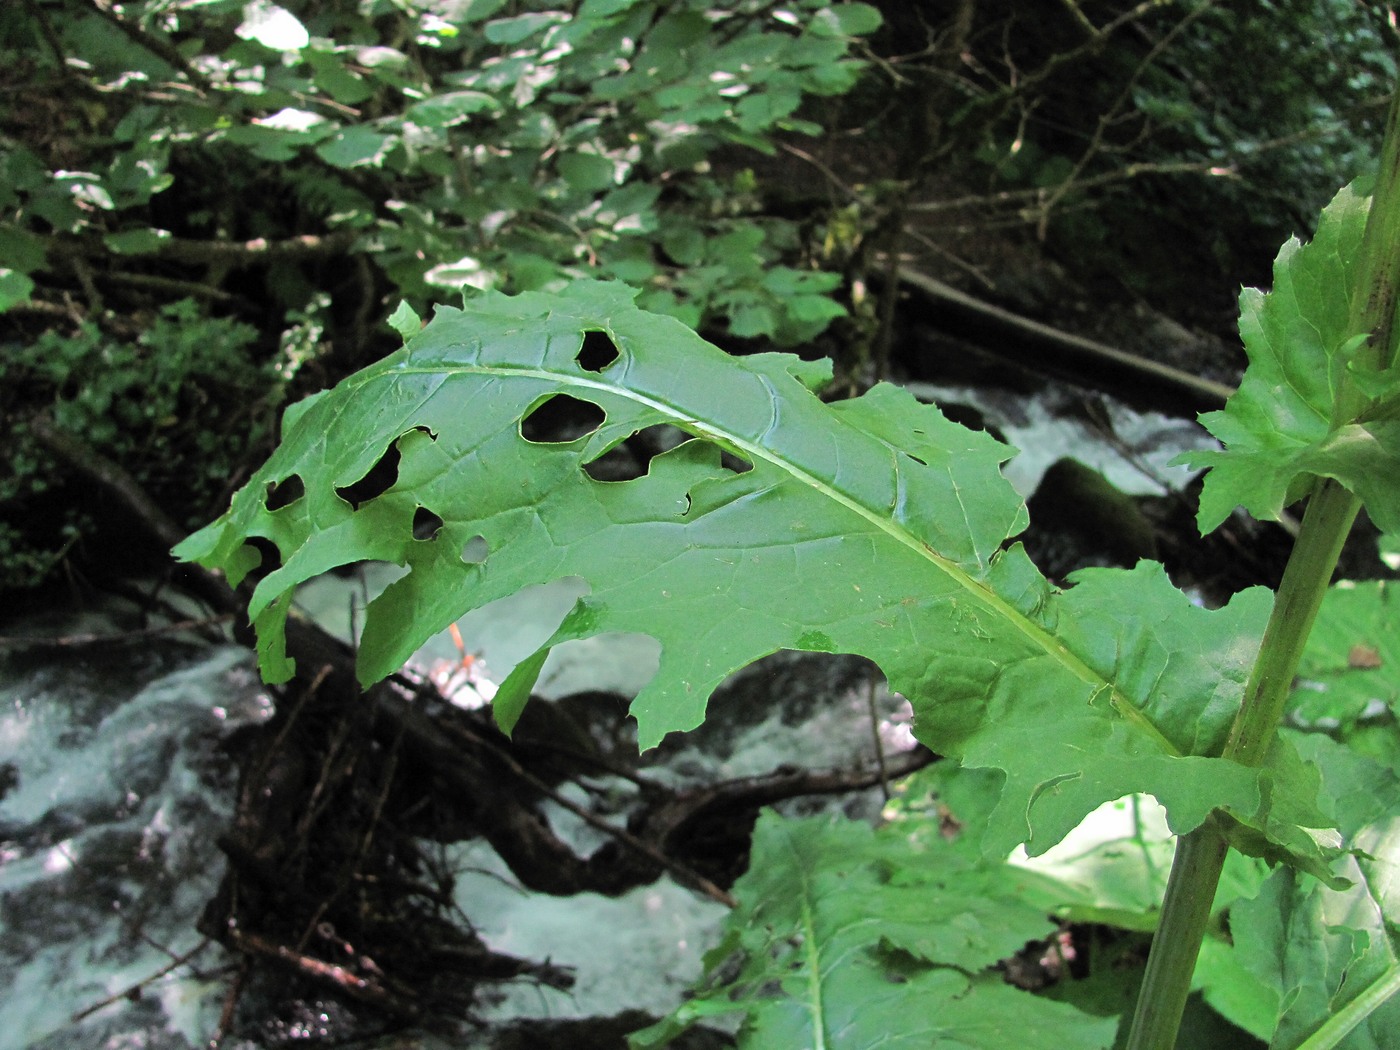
(632, 458)
(285, 492)
(269, 557)
(598, 351)
(730, 461)
(916, 459)
(380, 478)
(559, 419)
(619, 463)
(426, 524)
(474, 551)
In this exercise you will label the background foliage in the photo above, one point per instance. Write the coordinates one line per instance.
(301, 167)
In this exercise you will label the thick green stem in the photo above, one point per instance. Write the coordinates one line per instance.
(1200, 855)
(1330, 513)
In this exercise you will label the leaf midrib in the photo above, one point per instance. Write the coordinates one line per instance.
(977, 591)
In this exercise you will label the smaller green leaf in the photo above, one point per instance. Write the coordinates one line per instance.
(14, 288)
(847, 20)
(750, 318)
(1317, 949)
(331, 75)
(684, 244)
(521, 27)
(21, 250)
(762, 111)
(605, 8)
(1278, 429)
(849, 938)
(514, 693)
(356, 146)
(451, 108)
(1356, 790)
(814, 308)
(586, 172)
(465, 12)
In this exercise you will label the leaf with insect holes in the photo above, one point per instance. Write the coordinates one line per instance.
(1279, 429)
(872, 526)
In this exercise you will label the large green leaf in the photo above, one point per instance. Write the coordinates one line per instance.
(1280, 429)
(846, 938)
(872, 526)
(1318, 949)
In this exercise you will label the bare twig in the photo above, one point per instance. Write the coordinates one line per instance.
(133, 991)
(1106, 119)
(245, 253)
(174, 286)
(365, 989)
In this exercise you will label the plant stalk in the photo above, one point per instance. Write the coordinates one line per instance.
(1200, 855)
(1196, 868)
(1328, 520)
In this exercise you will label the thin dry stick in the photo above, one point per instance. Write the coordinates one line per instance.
(235, 992)
(646, 849)
(133, 991)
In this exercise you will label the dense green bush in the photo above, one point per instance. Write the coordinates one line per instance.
(452, 144)
(184, 405)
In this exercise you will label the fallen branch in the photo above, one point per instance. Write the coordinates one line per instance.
(114, 638)
(1043, 348)
(232, 253)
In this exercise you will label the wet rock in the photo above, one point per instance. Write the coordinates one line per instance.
(1079, 519)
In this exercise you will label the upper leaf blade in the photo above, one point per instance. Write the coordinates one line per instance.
(1281, 429)
(873, 526)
